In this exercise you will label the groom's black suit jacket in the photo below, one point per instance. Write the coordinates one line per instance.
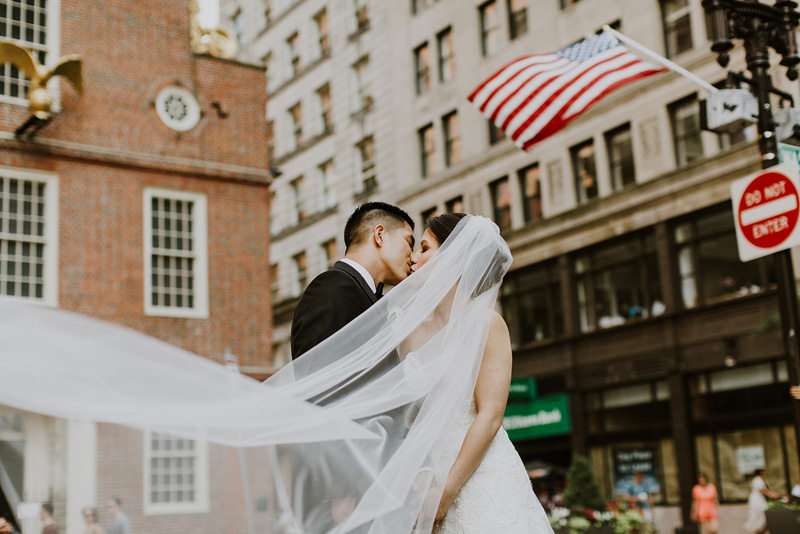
(332, 299)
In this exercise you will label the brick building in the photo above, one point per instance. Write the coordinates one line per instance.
(143, 202)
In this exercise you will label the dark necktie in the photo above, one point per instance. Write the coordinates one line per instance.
(379, 290)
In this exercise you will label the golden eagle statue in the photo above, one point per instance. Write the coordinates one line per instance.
(39, 99)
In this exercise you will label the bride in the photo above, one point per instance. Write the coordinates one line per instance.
(391, 425)
(486, 487)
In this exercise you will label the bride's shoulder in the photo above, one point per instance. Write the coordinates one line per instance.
(497, 325)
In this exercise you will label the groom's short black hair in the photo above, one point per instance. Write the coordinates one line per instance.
(367, 216)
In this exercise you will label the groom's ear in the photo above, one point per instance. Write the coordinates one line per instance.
(378, 235)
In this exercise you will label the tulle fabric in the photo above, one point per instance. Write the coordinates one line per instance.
(347, 436)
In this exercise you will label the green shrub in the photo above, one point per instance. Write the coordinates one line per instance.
(582, 489)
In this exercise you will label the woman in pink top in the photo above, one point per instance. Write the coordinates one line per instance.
(705, 505)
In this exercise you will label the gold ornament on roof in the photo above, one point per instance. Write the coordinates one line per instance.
(40, 101)
(218, 42)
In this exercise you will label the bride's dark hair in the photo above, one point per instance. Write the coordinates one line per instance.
(441, 226)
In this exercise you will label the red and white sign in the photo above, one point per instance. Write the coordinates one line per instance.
(766, 207)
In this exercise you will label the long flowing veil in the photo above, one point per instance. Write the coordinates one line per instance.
(347, 438)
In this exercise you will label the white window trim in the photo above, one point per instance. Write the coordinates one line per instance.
(51, 197)
(53, 51)
(201, 503)
(200, 310)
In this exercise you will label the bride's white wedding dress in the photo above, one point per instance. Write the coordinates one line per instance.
(498, 497)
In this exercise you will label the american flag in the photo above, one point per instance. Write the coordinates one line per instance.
(533, 97)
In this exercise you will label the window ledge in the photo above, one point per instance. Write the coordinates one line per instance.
(362, 29)
(366, 108)
(303, 147)
(365, 194)
(308, 221)
(308, 68)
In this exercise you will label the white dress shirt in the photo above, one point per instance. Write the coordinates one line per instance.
(362, 271)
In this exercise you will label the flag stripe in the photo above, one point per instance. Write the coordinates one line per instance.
(505, 92)
(569, 82)
(534, 96)
(547, 132)
(571, 93)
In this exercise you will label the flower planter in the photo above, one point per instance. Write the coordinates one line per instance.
(783, 521)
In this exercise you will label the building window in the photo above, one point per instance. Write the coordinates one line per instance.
(618, 282)
(490, 28)
(517, 17)
(531, 300)
(296, 116)
(274, 229)
(275, 286)
(585, 172)
(677, 26)
(422, 62)
(620, 157)
(447, 67)
(273, 76)
(685, 119)
(359, 21)
(26, 24)
(267, 5)
(325, 111)
(454, 205)
(530, 180)
(360, 97)
(294, 53)
(566, 3)
(299, 198)
(365, 161)
(327, 184)
(176, 254)
(301, 273)
(329, 254)
(752, 396)
(419, 5)
(271, 140)
(321, 25)
(495, 134)
(28, 236)
(708, 261)
(427, 150)
(176, 475)
(501, 202)
(452, 139)
(427, 214)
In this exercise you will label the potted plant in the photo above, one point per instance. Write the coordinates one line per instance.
(586, 512)
(783, 517)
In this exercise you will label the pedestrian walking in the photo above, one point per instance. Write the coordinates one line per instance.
(757, 502)
(705, 505)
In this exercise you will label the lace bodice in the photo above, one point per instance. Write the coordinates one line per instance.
(498, 497)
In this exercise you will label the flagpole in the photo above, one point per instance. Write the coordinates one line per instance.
(661, 59)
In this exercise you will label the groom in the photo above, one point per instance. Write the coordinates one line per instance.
(379, 239)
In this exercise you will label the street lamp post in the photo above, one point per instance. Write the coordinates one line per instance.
(761, 27)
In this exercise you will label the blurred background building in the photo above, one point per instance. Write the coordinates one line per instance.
(627, 301)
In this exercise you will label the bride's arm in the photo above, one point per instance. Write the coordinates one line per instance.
(491, 395)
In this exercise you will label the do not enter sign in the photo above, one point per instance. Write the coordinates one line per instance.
(766, 208)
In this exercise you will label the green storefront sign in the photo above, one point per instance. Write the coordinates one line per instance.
(522, 389)
(537, 418)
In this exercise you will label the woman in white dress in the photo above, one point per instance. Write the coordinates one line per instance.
(486, 488)
(757, 502)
